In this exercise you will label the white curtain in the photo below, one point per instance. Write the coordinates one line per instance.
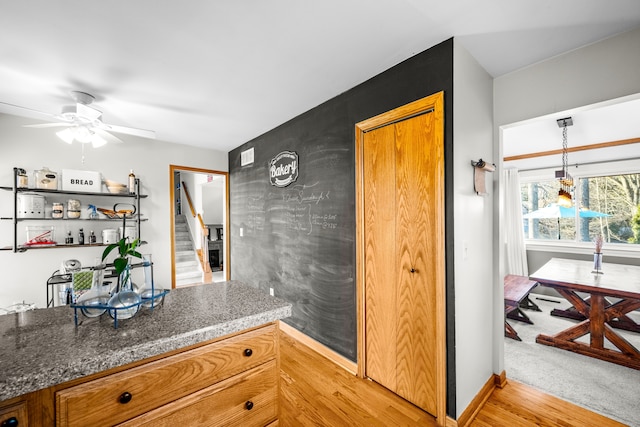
(516, 253)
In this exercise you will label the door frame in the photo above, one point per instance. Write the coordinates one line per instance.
(172, 212)
(433, 102)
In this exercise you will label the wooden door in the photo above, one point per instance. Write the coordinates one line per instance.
(403, 191)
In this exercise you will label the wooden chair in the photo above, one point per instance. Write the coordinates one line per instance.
(516, 297)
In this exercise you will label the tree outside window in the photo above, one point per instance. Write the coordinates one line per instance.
(617, 196)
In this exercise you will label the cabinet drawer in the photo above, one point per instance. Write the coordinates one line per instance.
(127, 394)
(17, 411)
(248, 399)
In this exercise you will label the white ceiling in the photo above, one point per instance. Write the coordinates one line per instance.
(218, 73)
(611, 121)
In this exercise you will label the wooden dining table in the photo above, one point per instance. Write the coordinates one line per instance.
(603, 298)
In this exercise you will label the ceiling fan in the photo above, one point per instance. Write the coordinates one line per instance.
(83, 123)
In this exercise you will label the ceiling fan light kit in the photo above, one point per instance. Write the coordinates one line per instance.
(81, 134)
(83, 123)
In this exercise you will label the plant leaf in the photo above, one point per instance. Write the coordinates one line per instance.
(120, 264)
(122, 243)
(108, 250)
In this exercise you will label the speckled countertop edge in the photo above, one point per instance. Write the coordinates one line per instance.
(42, 348)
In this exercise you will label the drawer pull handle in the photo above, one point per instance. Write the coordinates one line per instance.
(249, 405)
(125, 397)
(13, 422)
(248, 352)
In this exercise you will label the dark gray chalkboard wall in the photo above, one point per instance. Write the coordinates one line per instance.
(300, 240)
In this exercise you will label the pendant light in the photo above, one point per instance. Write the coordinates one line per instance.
(563, 176)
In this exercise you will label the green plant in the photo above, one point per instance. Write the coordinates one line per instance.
(126, 250)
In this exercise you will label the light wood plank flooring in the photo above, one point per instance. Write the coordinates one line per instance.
(316, 392)
(520, 405)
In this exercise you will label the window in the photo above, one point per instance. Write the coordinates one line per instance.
(608, 206)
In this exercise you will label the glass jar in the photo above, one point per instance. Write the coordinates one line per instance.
(73, 208)
(23, 179)
(57, 211)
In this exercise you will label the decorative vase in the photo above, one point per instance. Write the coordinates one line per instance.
(125, 302)
(597, 262)
(97, 296)
(149, 291)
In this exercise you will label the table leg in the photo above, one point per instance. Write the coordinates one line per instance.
(509, 332)
(528, 304)
(520, 315)
(622, 321)
(598, 314)
(596, 317)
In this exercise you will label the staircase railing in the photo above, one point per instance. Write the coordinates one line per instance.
(204, 234)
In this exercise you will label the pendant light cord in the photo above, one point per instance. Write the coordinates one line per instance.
(565, 151)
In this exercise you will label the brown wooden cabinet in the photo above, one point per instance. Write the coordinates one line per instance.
(246, 399)
(229, 382)
(15, 414)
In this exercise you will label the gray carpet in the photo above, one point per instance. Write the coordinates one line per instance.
(606, 388)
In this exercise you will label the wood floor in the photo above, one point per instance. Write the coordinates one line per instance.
(316, 392)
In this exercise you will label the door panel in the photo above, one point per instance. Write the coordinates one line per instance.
(416, 290)
(402, 185)
(380, 272)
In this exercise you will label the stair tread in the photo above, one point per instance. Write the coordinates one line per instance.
(187, 265)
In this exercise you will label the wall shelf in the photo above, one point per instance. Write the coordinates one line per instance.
(72, 193)
(135, 218)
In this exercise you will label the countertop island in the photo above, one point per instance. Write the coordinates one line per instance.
(42, 348)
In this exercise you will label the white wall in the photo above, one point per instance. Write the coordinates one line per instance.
(595, 73)
(473, 216)
(213, 201)
(24, 274)
(193, 182)
(592, 74)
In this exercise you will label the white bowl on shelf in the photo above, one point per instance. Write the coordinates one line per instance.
(116, 189)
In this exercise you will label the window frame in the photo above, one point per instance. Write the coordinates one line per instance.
(578, 171)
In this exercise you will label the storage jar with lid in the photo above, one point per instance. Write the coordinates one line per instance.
(23, 179)
(57, 211)
(46, 179)
(73, 209)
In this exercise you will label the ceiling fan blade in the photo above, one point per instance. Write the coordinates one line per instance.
(25, 112)
(47, 125)
(107, 136)
(144, 133)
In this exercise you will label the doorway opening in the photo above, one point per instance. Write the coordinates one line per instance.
(599, 150)
(199, 220)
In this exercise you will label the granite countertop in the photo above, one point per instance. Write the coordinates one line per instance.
(42, 348)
